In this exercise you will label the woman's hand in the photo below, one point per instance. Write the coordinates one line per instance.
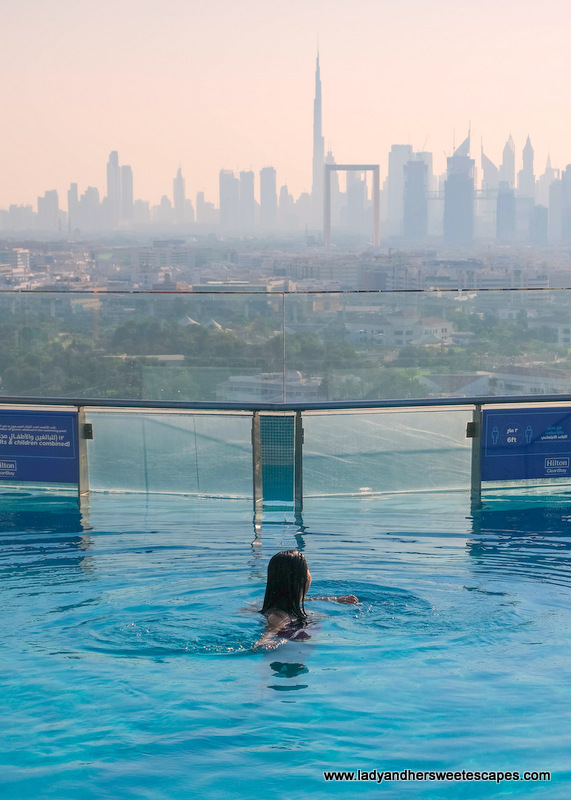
(347, 598)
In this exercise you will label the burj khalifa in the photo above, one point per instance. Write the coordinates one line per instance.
(318, 151)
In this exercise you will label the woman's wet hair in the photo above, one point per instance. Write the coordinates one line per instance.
(287, 584)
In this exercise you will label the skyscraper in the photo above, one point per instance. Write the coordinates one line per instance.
(507, 170)
(459, 196)
(318, 151)
(490, 174)
(525, 177)
(400, 154)
(268, 199)
(48, 211)
(544, 182)
(126, 193)
(114, 187)
(247, 202)
(179, 197)
(229, 200)
(72, 207)
(415, 219)
(506, 214)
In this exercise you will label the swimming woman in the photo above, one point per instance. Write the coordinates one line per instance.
(289, 580)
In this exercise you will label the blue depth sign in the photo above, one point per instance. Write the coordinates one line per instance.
(39, 446)
(526, 443)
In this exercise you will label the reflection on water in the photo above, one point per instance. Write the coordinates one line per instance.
(44, 531)
(527, 536)
(287, 671)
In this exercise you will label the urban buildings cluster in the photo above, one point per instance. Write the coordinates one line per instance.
(460, 206)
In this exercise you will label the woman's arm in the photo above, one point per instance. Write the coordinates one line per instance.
(345, 598)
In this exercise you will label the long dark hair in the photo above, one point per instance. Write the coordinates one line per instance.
(287, 584)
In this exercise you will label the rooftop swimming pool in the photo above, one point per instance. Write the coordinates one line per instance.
(128, 671)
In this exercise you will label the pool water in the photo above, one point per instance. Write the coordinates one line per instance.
(127, 668)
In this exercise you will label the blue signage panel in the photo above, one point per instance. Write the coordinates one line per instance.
(39, 446)
(526, 443)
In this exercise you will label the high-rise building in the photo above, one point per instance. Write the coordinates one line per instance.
(506, 213)
(525, 177)
(179, 198)
(400, 154)
(72, 207)
(415, 218)
(507, 170)
(555, 213)
(229, 187)
(164, 213)
(286, 209)
(566, 205)
(126, 193)
(90, 209)
(336, 197)
(487, 199)
(318, 151)
(357, 197)
(459, 196)
(490, 174)
(114, 188)
(247, 202)
(268, 199)
(544, 182)
(48, 211)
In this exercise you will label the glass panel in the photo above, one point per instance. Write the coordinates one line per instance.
(221, 348)
(389, 451)
(397, 345)
(168, 452)
(186, 347)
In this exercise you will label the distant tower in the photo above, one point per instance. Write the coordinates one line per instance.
(114, 187)
(544, 182)
(247, 202)
(399, 155)
(335, 193)
(525, 177)
(566, 205)
(415, 219)
(318, 150)
(506, 214)
(72, 207)
(459, 196)
(229, 200)
(179, 197)
(268, 199)
(126, 193)
(507, 170)
(48, 211)
(490, 174)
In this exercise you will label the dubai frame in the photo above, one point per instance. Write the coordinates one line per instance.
(374, 168)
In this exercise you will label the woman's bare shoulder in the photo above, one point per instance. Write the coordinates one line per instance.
(277, 619)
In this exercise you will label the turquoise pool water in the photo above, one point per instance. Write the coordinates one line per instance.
(127, 669)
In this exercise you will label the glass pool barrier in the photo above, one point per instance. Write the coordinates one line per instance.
(277, 456)
(277, 347)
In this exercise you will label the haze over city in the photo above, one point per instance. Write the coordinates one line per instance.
(226, 85)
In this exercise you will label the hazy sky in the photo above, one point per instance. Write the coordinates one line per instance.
(229, 83)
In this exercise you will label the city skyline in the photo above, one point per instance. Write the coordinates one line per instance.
(231, 88)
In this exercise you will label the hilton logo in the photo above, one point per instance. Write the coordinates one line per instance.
(557, 465)
(8, 465)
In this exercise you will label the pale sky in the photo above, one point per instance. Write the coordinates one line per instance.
(229, 84)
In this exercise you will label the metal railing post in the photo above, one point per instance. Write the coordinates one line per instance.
(257, 467)
(298, 464)
(476, 473)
